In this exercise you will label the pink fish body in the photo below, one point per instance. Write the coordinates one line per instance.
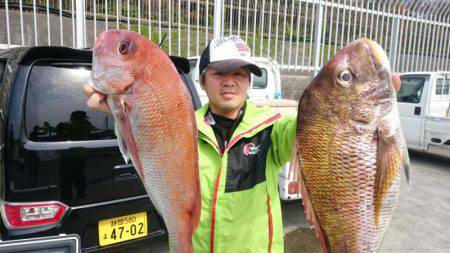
(155, 118)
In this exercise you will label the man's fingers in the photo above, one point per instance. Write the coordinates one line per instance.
(96, 100)
(396, 81)
(88, 90)
(104, 107)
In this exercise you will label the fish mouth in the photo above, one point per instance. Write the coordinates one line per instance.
(97, 85)
(99, 81)
(382, 65)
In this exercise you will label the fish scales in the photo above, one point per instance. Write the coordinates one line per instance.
(351, 148)
(157, 130)
(350, 188)
(158, 109)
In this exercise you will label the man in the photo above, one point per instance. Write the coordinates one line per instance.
(241, 150)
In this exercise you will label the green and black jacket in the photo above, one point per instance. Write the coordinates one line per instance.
(240, 203)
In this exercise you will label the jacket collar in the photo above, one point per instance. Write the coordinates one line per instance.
(254, 119)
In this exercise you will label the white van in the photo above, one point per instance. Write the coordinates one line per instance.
(424, 107)
(268, 86)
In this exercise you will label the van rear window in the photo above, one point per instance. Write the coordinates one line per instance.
(56, 106)
(411, 89)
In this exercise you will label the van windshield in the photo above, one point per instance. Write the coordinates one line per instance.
(56, 106)
(260, 82)
(411, 89)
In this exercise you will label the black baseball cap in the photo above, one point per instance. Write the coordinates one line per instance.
(227, 53)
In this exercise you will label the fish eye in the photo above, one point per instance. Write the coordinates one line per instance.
(125, 47)
(345, 78)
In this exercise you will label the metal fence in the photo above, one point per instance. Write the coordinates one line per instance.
(299, 34)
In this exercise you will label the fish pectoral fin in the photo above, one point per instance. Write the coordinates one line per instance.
(128, 103)
(117, 109)
(309, 212)
(390, 158)
(294, 169)
(125, 138)
(407, 165)
(122, 145)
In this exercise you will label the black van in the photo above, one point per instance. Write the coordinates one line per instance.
(61, 171)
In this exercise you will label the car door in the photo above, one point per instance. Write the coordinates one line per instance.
(412, 99)
(437, 126)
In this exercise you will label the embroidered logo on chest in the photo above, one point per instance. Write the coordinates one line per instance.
(251, 149)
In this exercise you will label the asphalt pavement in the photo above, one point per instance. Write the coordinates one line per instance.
(420, 223)
(422, 219)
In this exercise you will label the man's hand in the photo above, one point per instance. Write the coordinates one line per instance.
(96, 100)
(396, 81)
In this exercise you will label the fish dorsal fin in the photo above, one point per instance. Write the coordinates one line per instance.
(392, 154)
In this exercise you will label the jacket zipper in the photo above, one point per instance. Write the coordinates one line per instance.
(216, 188)
(213, 212)
(215, 145)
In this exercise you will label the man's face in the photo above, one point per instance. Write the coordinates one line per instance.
(226, 91)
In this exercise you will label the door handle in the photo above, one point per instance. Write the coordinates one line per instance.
(436, 119)
(417, 110)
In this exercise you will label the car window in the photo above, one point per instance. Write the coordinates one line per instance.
(411, 89)
(260, 82)
(439, 86)
(56, 106)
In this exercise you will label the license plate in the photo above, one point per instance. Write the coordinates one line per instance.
(122, 228)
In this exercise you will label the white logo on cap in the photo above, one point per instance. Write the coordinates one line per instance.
(226, 48)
